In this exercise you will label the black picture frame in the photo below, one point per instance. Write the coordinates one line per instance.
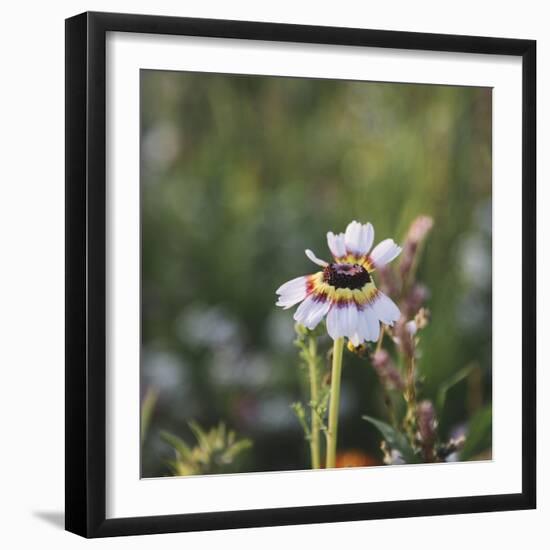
(86, 274)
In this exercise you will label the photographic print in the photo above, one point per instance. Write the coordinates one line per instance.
(316, 271)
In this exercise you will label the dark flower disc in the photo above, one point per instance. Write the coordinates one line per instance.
(346, 276)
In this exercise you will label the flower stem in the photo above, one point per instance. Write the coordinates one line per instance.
(380, 339)
(410, 398)
(314, 442)
(336, 376)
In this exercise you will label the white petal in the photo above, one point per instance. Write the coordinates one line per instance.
(290, 299)
(385, 309)
(356, 339)
(304, 309)
(359, 238)
(292, 292)
(362, 326)
(336, 244)
(366, 237)
(384, 252)
(287, 302)
(353, 237)
(368, 232)
(299, 283)
(334, 322)
(314, 259)
(317, 313)
(374, 326)
(342, 320)
(350, 319)
(369, 324)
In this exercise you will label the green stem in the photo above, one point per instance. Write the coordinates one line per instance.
(380, 339)
(314, 442)
(410, 398)
(336, 376)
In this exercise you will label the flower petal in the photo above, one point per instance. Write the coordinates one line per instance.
(342, 320)
(298, 283)
(304, 309)
(336, 244)
(371, 324)
(374, 326)
(317, 312)
(314, 259)
(368, 326)
(385, 309)
(359, 238)
(368, 237)
(334, 322)
(362, 329)
(287, 302)
(353, 237)
(384, 253)
(350, 319)
(292, 292)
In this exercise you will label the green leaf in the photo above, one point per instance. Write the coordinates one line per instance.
(395, 439)
(236, 449)
(201, 436)
(147, 409)
(480, 434)
(178, 444)
(300, 413)
(453, 381)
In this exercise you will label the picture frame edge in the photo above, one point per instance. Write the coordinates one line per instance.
(85, 338)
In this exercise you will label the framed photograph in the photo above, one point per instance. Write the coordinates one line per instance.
(300, 274)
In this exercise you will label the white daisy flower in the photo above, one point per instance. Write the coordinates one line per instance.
(344, 292)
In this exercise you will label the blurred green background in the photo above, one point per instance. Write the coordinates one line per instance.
(239, 175)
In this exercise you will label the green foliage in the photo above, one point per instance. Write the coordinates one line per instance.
(238, 175)
(311, 363)
(147, 408)
(480, 434)
(460, 375)
(315, 422)
(320, 407)
(182, 449)
(395, 439)
(300, 413)
(216, 452)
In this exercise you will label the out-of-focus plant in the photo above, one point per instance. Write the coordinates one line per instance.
(217, 451)
(147, 409)
(414, 438)
(314, 422)
(273, 162)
